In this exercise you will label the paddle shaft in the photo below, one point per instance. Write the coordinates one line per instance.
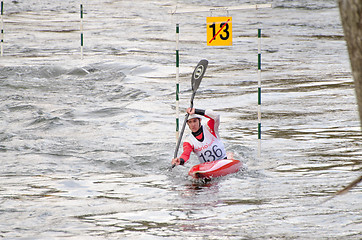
(196, 78)
(183, 127)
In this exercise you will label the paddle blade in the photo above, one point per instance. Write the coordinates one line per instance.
(198, 74)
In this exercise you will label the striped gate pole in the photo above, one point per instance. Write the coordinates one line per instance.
(81, 30)
(259, 92)
(177, 82)
(2, 29)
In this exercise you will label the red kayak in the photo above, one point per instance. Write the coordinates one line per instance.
(215, 168)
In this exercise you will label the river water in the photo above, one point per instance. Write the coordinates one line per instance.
(86, 144)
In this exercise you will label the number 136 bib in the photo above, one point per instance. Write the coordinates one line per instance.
(210, 149)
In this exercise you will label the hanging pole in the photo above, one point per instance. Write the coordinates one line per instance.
(2, 29)
(259, 92)
(177, 82)
(81, 30)
(208, 9)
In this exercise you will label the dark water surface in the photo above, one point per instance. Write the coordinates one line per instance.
(86, 145)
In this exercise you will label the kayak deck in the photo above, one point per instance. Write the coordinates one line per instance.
(215, 168)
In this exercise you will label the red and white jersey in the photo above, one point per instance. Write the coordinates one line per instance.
(211, 147)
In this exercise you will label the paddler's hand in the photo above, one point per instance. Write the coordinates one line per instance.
(175, 161)
(190, 111)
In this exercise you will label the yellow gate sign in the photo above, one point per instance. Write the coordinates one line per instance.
(219, 31)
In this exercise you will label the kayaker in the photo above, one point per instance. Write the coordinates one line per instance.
(204, 140)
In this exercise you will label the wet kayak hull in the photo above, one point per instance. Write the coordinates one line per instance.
(215, 169)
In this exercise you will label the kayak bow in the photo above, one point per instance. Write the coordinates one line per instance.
(215, 168)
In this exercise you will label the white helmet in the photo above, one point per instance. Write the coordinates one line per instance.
(192, 116)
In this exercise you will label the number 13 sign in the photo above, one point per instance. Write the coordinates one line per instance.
(219, 31)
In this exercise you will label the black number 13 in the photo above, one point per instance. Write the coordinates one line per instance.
(225, 30)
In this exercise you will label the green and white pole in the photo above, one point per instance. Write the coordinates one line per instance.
(259, 92)
(2, 29)
(177, 82)
(81, 30)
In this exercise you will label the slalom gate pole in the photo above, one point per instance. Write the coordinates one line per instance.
(81, 30)
(2, 29)
(177, 82)
(259, 92)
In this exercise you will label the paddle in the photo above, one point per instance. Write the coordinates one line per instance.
(346, 189)
(196, 77)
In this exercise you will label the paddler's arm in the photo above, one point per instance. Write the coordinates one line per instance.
(195, 111)
(184, 156)
(207, 113)
(214, 119)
